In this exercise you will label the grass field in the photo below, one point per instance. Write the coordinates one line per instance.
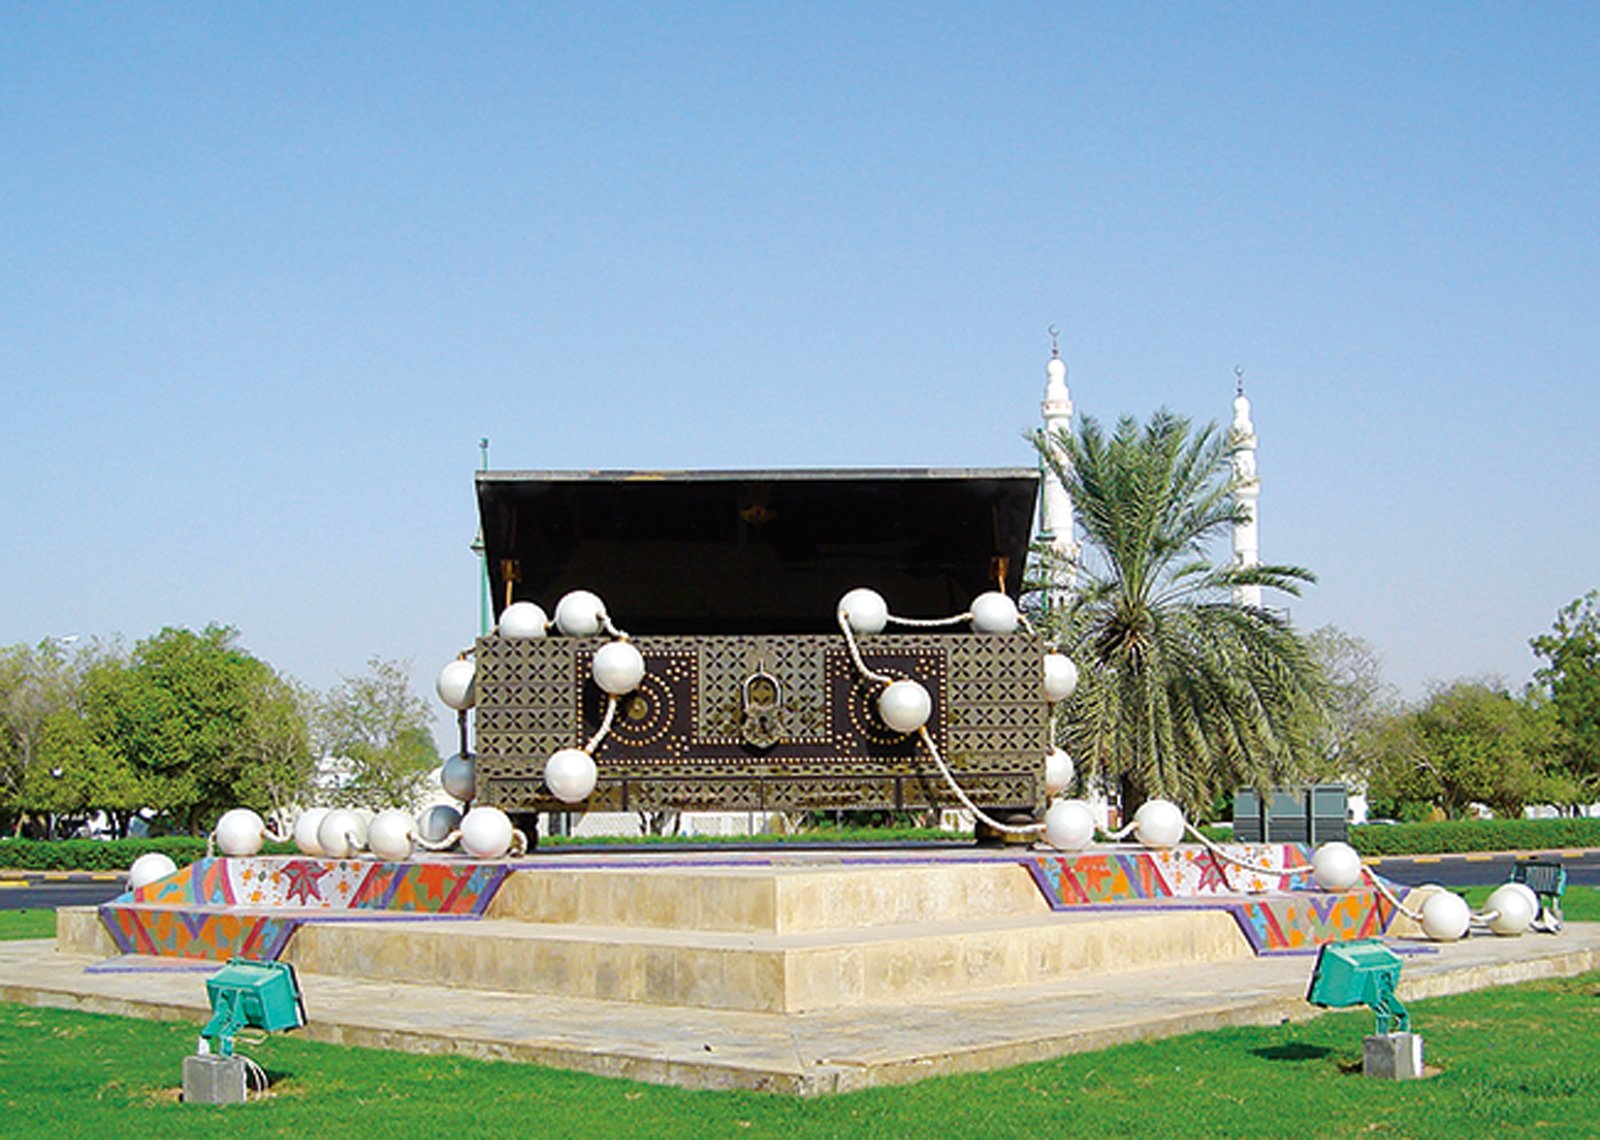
(27, 924)
(1523, 1060)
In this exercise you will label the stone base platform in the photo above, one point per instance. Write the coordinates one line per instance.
(807, 972)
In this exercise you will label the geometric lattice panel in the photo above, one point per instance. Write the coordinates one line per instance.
(779, 722)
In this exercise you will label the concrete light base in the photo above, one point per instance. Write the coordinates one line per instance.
(1392, 1056)
(213, 1080)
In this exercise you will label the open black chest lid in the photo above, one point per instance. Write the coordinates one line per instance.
(745, 552)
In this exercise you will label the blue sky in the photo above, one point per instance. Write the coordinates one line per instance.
(268, 272)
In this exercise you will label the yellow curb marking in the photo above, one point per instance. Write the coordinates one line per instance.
(1479, 858)
(13, 882)
(1429, 859)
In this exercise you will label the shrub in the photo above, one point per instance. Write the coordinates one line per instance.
(1454, 836)
(95, 855)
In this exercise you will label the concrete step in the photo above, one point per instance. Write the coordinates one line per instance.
(772, 973)
(768, 899)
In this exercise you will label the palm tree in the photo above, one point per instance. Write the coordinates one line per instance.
(1183, 693)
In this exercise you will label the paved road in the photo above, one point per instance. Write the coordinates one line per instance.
(1483, 869)
(46, 892)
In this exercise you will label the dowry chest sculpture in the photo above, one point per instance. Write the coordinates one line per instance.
(756, 604)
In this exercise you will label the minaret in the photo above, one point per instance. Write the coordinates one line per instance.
(1246, 490)
(1056, 526)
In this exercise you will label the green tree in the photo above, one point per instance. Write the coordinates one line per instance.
(1465, 743)
(374, 731)
(1358, 700)
(203, 725)
(1570, 677)
(279, 762)
(35, 685)
(1182, 693)
(81, 772)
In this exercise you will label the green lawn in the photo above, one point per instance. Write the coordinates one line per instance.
(16, 924)
(1511, 1061)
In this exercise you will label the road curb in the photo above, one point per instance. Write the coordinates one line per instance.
(1484, 856)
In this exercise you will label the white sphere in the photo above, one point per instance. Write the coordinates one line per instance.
(389, 835)
(1336, 866)
(456, 686)
(864, 610)
(1516, 914)
(904, 706)
(1445, 916)
(570, 774)
(341, 834)
(1158, 823)
(486, 833)
(1069, 825)
(459, 776)
(523, 620)
(1058, 772)
(436, 822)
(1060, 677)
(993, 612)
(240, 832)
(149, 868)
(1527, 892)
(580, 614)
(618, 668)
(305, 831)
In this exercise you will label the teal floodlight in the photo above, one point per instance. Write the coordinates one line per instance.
(250, 994)
(1365, 972)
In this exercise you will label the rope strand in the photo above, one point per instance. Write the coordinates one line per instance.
(855, 653)
(966, 801)
(605, 726)
(1215, 849)
(1377, 885)
(930, 623)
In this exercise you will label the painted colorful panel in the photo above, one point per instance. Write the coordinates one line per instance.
(1306, 920)
(203, 882)
(1198, 871)
(174, 933)
(1074, 880)
(430, 888)
(1274, 899)
(220, 908)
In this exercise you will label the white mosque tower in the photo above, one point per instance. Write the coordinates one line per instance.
(1246, 490)
(1056, 526)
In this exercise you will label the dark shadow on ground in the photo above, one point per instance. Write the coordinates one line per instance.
(1293, 1051)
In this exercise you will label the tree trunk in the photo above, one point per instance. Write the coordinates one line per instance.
(1131, 795)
